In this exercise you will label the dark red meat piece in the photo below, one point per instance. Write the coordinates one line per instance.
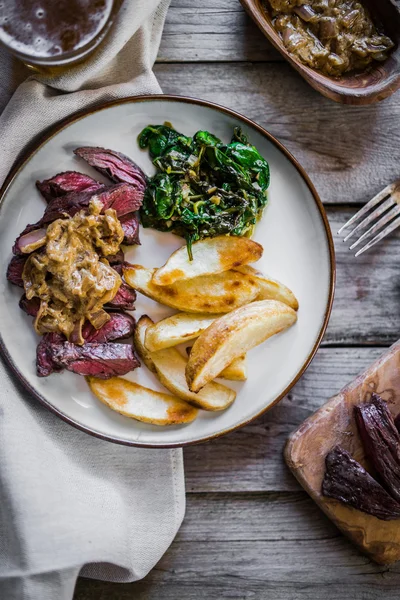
(44, 354)
(381, 442)
(397, 422)
(130, 225)
(118, 258)
(346, 480)
(63, 183)
(116, 166)
(124, 299)
(99, 360)
(120, 326)
(69, 204)
(15, 269)
(122, 198)
(31, 307)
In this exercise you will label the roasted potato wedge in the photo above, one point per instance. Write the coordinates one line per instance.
(169, 366)
(270, 289)
(232, 335)
(139, 339)
(175, 330)
(236, 371)
(141, 403)
(210, 256)
(218, 293)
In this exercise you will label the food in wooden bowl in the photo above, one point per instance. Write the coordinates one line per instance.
(347, 50)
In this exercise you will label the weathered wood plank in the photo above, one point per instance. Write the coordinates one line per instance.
(367, 300)
(250, 459)
(211, 31)
(234, 585)
(349, 152)
(251, 546)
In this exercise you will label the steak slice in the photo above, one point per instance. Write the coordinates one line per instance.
(44, 354)
(116, 166)
(123, 198)
(115, 259)
(15, 270)
(63, 183)
(381, 441)
(98, 360)
(120, 326)
(68, 205)
(125, 298)
(130, 225)
(31, 307)
(346, 480)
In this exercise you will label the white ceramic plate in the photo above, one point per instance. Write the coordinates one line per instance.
(298, 250)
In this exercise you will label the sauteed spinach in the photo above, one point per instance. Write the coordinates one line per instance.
(203, 187)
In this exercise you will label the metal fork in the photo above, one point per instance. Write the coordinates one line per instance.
(387, 203)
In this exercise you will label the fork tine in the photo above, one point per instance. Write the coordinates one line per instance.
(371, 217)
(385, 219)
(373, 202)
(393, 225)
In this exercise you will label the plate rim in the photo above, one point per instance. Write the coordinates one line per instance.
(51, 132)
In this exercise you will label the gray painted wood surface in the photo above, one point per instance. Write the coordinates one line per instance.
(250, 532)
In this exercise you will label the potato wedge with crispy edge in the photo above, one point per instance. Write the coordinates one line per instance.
(219, 293)
(270, 289)
(169, 367)
(232, 335)
(141, 403)
(211, 255)
(177, 329)
(236, 371)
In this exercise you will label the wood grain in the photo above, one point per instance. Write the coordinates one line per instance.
(366, 309)
(255, 546)
(210, 31)
(349, 152)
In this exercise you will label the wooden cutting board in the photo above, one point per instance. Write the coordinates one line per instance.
(334, 424)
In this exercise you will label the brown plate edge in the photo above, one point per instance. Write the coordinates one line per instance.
(77, 116)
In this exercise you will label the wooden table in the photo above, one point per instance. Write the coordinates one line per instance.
(250, 531)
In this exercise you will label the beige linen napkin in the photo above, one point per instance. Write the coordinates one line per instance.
(70, 503)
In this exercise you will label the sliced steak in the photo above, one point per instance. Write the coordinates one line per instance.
(98, 360)
(69, 204)
(130, 225)
(44, 354)
(63, 183)
(15, 270)
(124, 299)
(115, 259)
(123, 198)
(120, 326)
(116, 166)
(31, 307)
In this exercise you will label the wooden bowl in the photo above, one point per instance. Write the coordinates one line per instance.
(377, 82)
